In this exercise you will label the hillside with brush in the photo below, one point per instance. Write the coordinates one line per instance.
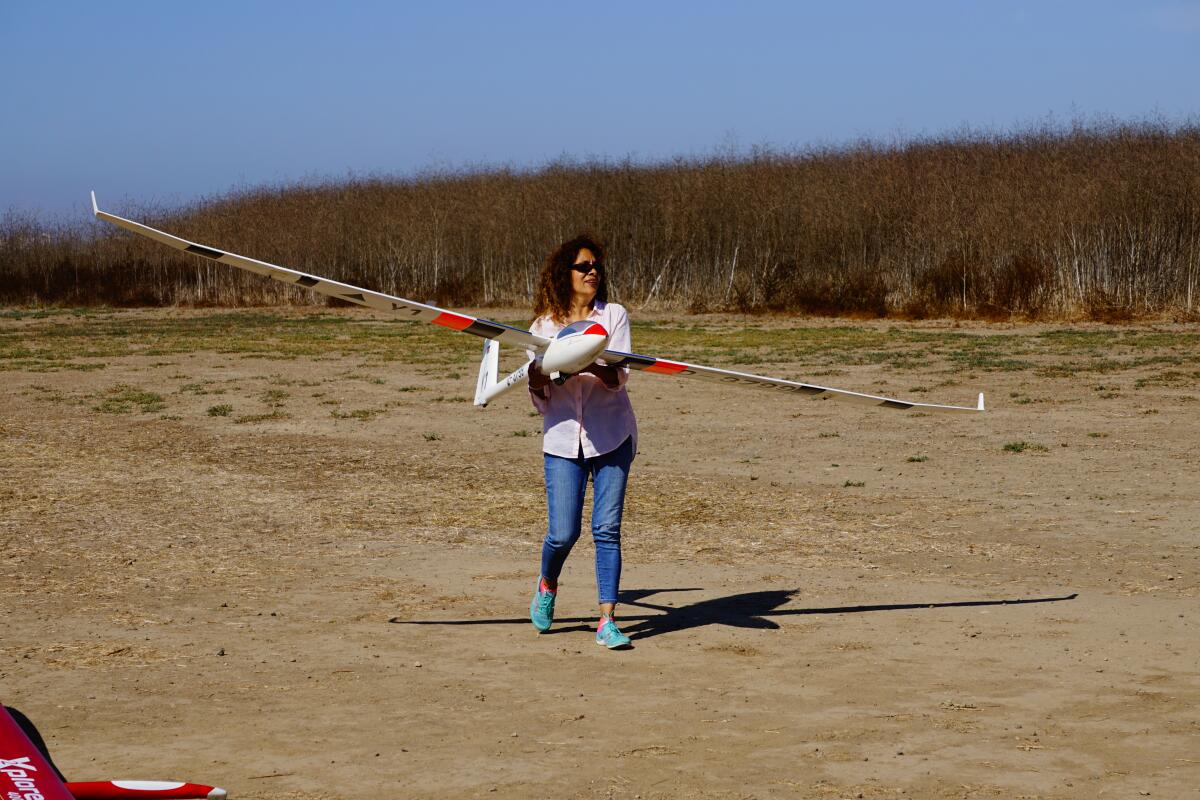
(1099, 221)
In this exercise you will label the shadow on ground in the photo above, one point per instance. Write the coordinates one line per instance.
(746, 610)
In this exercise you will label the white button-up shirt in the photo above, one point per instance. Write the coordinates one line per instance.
(583, 414)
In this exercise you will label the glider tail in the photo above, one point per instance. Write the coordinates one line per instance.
(487, 387)
(489, 368)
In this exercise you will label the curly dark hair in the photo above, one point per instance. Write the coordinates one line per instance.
(554, 290)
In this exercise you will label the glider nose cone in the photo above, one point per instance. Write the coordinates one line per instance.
(575, 346)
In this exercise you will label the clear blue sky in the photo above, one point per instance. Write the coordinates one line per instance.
(166, 102)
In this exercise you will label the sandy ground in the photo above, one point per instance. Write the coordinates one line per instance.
(323, 606)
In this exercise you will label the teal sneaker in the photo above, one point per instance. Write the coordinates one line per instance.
(541, 610)
(610, 636)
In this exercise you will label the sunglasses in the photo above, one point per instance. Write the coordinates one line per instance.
(584, 267)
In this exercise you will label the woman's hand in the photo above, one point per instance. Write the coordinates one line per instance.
(538, 380)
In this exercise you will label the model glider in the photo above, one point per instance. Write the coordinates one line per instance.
(575, 346)
(26, 773)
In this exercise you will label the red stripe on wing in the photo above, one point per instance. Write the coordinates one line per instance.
(665, 367)
(456, 321)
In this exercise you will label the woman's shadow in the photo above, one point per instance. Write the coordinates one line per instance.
(745, 610)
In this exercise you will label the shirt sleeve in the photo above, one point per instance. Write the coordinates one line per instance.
(620, 340)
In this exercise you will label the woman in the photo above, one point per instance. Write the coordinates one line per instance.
(589, 430)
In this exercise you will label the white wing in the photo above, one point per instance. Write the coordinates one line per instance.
(502, 333)
(343, 291)
(663, 367)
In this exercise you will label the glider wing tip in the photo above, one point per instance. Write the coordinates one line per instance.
(95, 208)
(979, 407)
(217, 793)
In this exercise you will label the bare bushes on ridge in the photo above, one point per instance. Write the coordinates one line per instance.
(1100, 220)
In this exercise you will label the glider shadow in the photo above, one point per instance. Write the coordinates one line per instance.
(746, 610)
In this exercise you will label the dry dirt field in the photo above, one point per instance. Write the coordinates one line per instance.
(279, 551)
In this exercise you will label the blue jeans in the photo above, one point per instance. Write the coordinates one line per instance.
(566, 480)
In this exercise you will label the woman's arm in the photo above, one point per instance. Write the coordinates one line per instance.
(611, 376)
(538, 380)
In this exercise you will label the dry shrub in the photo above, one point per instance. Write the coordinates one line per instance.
(1098, 309)
(841, 289)
(1020, 286)
(948, 288)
